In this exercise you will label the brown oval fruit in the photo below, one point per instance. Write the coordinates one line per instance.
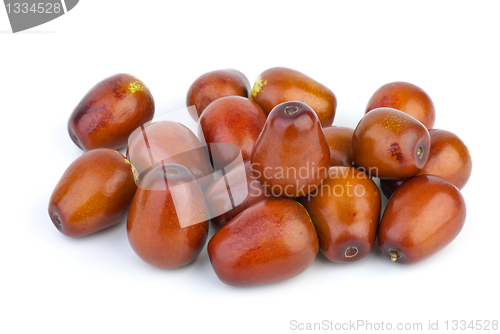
(279, 84)
(94, 193)
(169, 142)
(214, 85)
(449, 159)
(271, 241)
(110, 112)
(423, 216)
(233, 193)
(291, 156)
(167, 223)
(339, 141)
(390, 144)
(345, 211)
(406, 97)
(233, 120)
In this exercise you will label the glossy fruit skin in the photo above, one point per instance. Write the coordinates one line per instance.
(240, 187)
(449, 159)
(271, 241)
(94, 193)
(110, 112)
(214, 85)
(406, 97)
(233, 120)
(163, 234)
(291, 156)
(169, 142)
(279, 84)
(345, 211)
(390, 144)
(339, 141)
(423, 216)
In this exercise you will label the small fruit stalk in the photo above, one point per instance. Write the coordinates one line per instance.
(345, 211)
(279, 84)
(291, 157)
(422, 217)
(167, 224)
(110, 112)
(94, 193)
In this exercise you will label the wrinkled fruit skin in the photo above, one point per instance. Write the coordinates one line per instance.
(339, 141)
(279, 84)
(271, 241)
(345, 211)
(161, 234)
(449, 159)
(291, 156)
(406, 97)
(169, 142)
(233, 120)
(423, 216)
(240, 188)
(110, 112)
(390, 144)
(94, 193)
(214, 85)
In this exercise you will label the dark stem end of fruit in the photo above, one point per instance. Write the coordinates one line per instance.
(351, 251)
(290, 110)
(170, 171)
(420, 152)
(394, 255)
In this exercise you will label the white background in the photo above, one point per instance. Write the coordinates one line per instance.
(97, 284)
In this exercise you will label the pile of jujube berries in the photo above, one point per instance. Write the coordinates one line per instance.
(268, 169)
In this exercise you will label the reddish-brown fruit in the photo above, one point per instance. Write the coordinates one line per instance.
(277, 85)
(339, 141)
(167, 223)
(390, 144)
(423, 216)
(271, 241)
(230, 195)
(291, 156)
(232, 120)
(94, 193)
(345, 211)
(406, 97)
(449, 159)
(214, 85)
(110, 112)
(169, 142)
